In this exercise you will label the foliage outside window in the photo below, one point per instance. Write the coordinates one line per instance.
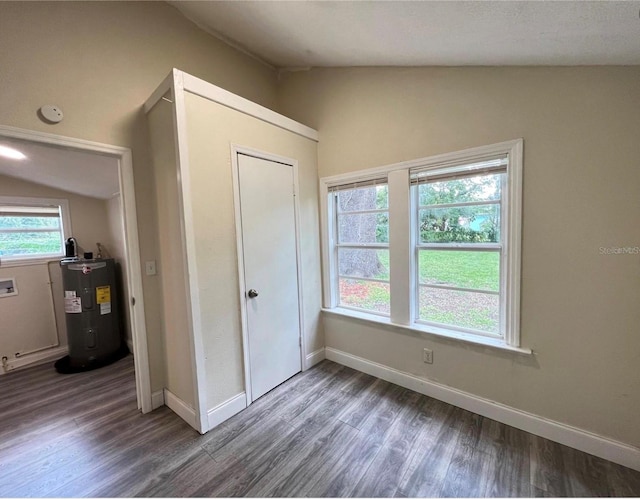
(31, 228)
(459, 246)
(362, 235)
(442, 234)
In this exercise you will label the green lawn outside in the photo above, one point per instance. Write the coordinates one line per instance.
(468, 310)
(477, 270)
(464, 269)
(30, 243)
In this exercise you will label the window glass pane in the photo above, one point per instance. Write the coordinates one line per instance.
(363, 228)
(479, 270)
(45, 242)
(364, 263)
(467, 224)
(366, 198)
(369, 295)
(13, 222)
(477, 188)
(479, 311)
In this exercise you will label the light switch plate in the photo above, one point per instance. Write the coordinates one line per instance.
(150, 267)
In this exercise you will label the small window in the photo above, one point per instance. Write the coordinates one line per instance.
(361, 246)
(32, 228)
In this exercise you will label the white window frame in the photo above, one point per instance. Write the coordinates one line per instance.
(501, 248)
(65, 222)
(402, 246)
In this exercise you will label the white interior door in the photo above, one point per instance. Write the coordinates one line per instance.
(270, 271)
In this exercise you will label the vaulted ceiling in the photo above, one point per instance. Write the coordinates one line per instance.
(288, 34)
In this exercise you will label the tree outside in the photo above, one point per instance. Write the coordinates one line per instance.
(473, 218)
(363, 220)
(477, 223)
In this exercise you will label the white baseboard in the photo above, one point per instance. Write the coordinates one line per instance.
(180, 408)
(129, 345)
(157, 399)
(314, 358)
(37, 358)
(582, 440)
(226, 410)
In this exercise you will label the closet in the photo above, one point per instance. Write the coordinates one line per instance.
(239, 254)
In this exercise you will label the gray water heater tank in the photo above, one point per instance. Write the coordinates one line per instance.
(91, 306)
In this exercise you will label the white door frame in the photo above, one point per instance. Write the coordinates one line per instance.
(235, 150)
(132, 244)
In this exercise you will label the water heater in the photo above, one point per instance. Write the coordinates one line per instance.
(91, 306)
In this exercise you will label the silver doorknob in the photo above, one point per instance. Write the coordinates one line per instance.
(252, 293)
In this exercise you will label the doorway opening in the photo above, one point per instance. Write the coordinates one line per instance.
(94, 183)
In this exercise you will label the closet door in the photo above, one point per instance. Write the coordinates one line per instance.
(270, 271)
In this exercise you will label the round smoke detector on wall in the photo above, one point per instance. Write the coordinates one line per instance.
(51, 113)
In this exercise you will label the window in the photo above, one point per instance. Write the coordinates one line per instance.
(32, 228)
(432, 245)
(362, 246)
(458, 248)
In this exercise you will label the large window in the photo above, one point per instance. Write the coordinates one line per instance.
(32, 228)
(432, 244)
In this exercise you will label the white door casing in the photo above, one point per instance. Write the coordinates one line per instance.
(268, 256)
(132, 245)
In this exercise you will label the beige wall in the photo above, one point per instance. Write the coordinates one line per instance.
(211, 128)
(115, 247)
(580, 309)
(28, 320)
(99, 61)
(179, 363)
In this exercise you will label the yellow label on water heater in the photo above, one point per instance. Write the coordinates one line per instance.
(103, 294)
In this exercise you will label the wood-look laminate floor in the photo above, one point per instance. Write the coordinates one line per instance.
(330, 431)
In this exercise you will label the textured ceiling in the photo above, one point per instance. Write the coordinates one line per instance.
(425, 33)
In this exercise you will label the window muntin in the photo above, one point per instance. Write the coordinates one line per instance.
(459, 251)
(361, 216)
(33, 229)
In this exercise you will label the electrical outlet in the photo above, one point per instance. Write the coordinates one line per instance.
(427, 356)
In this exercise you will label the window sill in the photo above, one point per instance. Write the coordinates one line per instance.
(427, 330)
